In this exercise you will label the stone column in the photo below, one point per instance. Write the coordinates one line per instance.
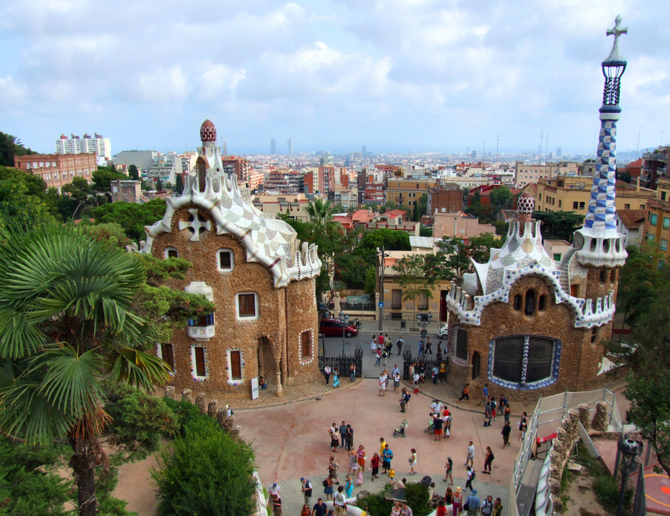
(280, 392)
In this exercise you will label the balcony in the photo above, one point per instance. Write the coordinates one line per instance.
(201, 333)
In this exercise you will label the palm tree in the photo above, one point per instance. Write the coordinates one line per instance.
(320, 213)
(65, 327)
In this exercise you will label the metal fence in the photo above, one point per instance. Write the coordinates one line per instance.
(408, 359)
(342, 362)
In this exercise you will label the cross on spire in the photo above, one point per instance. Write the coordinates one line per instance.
(617, 31)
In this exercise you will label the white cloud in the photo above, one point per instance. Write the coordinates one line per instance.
(160, 85)
(12, 93)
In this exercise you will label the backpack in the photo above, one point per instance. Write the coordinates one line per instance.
(474, 475)
(492, 457)
(325, 482)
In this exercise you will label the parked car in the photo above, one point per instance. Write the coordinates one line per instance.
(443, 332)
(334, 328)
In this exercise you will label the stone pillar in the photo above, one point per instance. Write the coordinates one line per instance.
(187, 395)
(584, 415)
(201, 403)
(212, 408)
(169, 392)
(599, 422)
(280, 391)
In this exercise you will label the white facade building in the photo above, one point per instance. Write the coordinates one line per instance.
(101, 147)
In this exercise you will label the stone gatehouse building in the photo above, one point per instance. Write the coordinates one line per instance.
(254, 269)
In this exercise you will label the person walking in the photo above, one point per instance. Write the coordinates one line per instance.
(488, 461)
(353, 463)
(399, 344)
(340, 502)
(470, 457)
(412, 462)
(507, 429)
(420, 348)
(320, 508)
(523, 426)
(442, 376)
(379, 357)
(474, 503)
(437, 425)
(336, 378)
(275, 500)
(334, 441)
(458, 501)
(404, 400)
(434, 373)
(306, 490)
(382, 384)
(447, 423)
(449, 469)
(507, 412)
(487, 506)
(497, 508)
(385, 356)
(465, 393)
(326, 372)
(470, 477)
(380, 342)
(306, 511)
(396, 380)
(494, 407)
(429, 346)
(449, 497)
(373, 345)
(487, 413)
(349, 486)
(386, 381)
(343, 435)
(374, 466)
(350, 438)
(485, 394)
(360, 456)
(387, 457)
(352, 372)
(332, 470)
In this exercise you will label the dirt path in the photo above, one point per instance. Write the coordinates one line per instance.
(136, 487)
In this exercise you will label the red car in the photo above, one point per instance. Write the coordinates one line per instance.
(335, 327)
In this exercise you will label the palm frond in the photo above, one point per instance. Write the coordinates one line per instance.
(136, 367)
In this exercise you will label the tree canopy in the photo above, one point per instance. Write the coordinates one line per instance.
(130, 216)
(559, 225)
(11, 146)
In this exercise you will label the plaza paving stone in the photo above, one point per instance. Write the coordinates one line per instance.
(292, 441)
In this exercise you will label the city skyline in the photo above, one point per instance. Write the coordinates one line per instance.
(335, 75)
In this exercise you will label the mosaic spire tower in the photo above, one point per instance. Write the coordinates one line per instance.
(599, 241)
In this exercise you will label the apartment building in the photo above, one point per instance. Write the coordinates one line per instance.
(407, 192)
(293, 205)
(657, 225)
(526, 173)
(57, 170)
(459, 225)
(284, 181)
(573, 194)
(654, 166)
(445, 199)
(126, 190)
(97, 145)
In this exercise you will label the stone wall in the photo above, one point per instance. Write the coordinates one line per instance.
(282, 314)
(579, 358)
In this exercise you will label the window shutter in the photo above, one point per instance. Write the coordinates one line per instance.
(168, 355)
(236, 365)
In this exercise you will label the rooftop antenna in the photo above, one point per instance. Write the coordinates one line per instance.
(541, 140)
(546, 149)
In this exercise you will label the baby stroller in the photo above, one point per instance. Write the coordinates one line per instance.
(431, 428)
(400, 431)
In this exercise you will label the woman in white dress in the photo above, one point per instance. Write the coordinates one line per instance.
(382, 384)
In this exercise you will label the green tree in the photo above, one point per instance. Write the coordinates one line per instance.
(328, 236)
(204, 472)
(371, 282)
(420, 208)
(159, 185)
(501, 198)
(179, 187)
(21, 203)
(650, 412)
(103, 177)
(130, 216)
(65, 325)
(559, 225)
(133, 173)
(413, 279)
(11, 146)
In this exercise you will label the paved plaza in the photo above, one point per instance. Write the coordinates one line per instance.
(292, 441)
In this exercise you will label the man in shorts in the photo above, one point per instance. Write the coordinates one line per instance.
(437, 425)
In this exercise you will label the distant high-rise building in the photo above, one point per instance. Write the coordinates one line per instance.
(559, 152)
(98, 145)
(364, 151)
(273, 147)
(225, 149)
(289, 147)
(474, 154)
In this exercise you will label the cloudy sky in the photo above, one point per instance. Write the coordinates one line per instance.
(403, 75)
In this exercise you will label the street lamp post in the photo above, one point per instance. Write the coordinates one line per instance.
(423, 320)
(345, 320)
(630, 450)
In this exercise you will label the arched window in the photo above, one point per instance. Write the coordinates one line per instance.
(542, 304)
(613, 276)
(524, 361)
(529, 308)
(171, 252)
(517, 302)
(462, 344)
(603, 275)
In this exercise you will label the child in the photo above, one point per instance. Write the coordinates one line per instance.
(336, 379)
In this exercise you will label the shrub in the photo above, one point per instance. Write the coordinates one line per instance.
(189, 419)
(376, 504)
(417, 499)
(205, 473)
(139, 420)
